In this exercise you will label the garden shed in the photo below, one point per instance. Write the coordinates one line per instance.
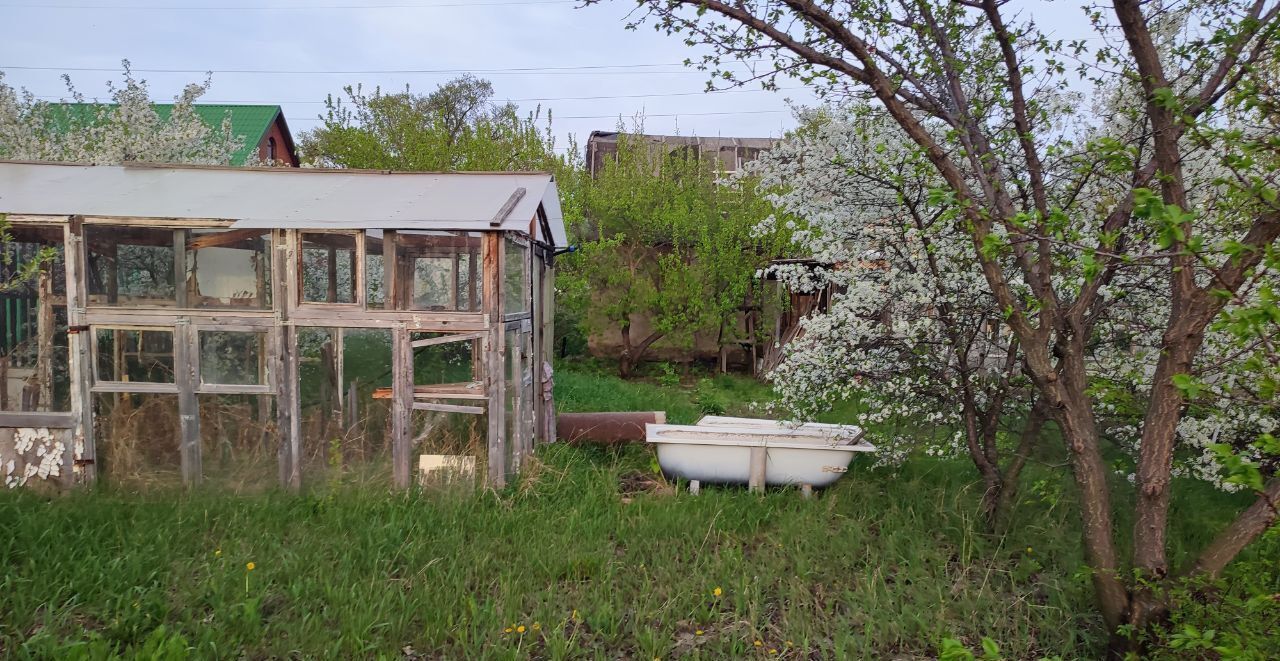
(243, 325)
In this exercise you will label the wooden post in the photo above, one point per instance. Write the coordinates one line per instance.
(549, 339)
(494, 378)
(180, 267)
(288, 413)
(283, 358)
(80, 370)
(331, 294)
(401, 405)
(44, 338)
(695, 487)
(472, 273)
(806, 491)
(759, 459)
(390, 283)
(261, 279)
(184, 361)
(453, 282)
(113, 279)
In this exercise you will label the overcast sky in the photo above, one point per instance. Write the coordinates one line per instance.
(390, 43)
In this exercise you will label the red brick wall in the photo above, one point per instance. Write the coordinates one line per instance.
(283, 153)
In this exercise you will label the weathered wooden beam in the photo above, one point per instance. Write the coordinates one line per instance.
(390, 286)
(448, 408)
(21, 419)
(402, 396)
(288, 410)
(493, 373)
(461, 390)
(250, 239)
(445, 339)
(80, 365)
(138, 386)
(44, 336)
(507, 207)
(184, 356)
(180, 285)
(158, 222)
(347, 316)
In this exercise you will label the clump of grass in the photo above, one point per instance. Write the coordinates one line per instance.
(579, 390)
(572, 561)
(882, 564)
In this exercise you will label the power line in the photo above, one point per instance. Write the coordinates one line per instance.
(532, 98)
(616, 115)
(591, 69)
(477, 3)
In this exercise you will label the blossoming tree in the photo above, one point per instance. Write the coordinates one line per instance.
(128, 129)
(1060, 216)
(915, 337)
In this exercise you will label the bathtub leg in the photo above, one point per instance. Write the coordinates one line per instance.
(806, 491)
(694, 487)
(758, 460)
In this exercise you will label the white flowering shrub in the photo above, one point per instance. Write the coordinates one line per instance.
(126, 129)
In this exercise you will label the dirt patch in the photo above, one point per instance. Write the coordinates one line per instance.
(635, 483)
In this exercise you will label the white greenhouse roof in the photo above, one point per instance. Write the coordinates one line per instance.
(295, 198)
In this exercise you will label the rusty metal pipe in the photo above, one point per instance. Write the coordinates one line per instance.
(605, 427)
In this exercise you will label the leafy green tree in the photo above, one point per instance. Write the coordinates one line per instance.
(663, 238)
(458, 126)
(1070, 209)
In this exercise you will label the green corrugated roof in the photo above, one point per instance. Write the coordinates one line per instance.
(247, 121)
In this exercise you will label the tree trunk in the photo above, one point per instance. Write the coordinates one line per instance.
(1155, 462)
(1075, 418)
(632, 354)
(1013, 472)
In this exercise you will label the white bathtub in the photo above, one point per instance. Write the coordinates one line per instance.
(757, 452)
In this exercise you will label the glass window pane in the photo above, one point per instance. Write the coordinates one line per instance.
(375, 295)
(328, 267)
(433, 283)
(233, 357)
(229, 269)
(33, 321)
(515, 282)
(439, 270)
(127, 354)
(130, 265)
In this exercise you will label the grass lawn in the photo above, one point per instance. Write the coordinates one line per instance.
(589, 555)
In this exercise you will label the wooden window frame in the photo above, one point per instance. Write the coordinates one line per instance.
(267, 385)
(358, 273)
(101, 385)
(524, 240)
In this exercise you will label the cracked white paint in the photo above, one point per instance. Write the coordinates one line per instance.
(38, 454)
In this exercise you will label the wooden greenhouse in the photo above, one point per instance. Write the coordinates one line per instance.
(239, 326)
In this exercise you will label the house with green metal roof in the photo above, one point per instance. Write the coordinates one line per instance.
(262, 127)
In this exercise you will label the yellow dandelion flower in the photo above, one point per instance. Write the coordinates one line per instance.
(773, 650)
(717, 592)
(520, 629)
(759, 643)
(536, 626)
(1028, 549)
(249, 566)
(789, 643)
(507, 630)
(217, 553)
(698, 632)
